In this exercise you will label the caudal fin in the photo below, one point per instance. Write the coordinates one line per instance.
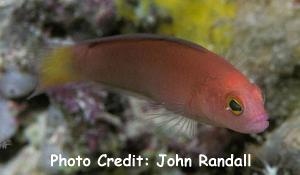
(56, 68)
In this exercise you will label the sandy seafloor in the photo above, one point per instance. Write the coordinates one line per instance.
(260, 37)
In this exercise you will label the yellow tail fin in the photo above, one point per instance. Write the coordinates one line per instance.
(57, 68)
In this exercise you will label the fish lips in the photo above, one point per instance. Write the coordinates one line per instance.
(259, 125)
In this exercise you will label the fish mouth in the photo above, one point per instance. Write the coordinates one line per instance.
(261, 118)
(259, 125)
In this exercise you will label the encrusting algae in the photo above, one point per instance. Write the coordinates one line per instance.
(209, 23)
(213, 21)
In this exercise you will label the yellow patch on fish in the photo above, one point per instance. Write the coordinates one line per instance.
(57, 68)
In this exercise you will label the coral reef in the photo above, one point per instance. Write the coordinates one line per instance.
(286, 142)
(209, 23)
(266, 49)
(260, 37)
(56, 18)
(8, 123)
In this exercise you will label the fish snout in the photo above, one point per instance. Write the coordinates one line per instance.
(259, 124)
(261, 118)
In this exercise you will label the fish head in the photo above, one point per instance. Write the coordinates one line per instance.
(236, 105)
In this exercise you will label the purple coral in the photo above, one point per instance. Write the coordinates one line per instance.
(82, 99)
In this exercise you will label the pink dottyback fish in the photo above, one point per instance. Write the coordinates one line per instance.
(181, 75)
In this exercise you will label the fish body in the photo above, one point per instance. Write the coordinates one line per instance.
(181, 75)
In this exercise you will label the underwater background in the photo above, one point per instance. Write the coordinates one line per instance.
(260, 37)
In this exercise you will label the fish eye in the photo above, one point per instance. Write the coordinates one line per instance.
(235, 106)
